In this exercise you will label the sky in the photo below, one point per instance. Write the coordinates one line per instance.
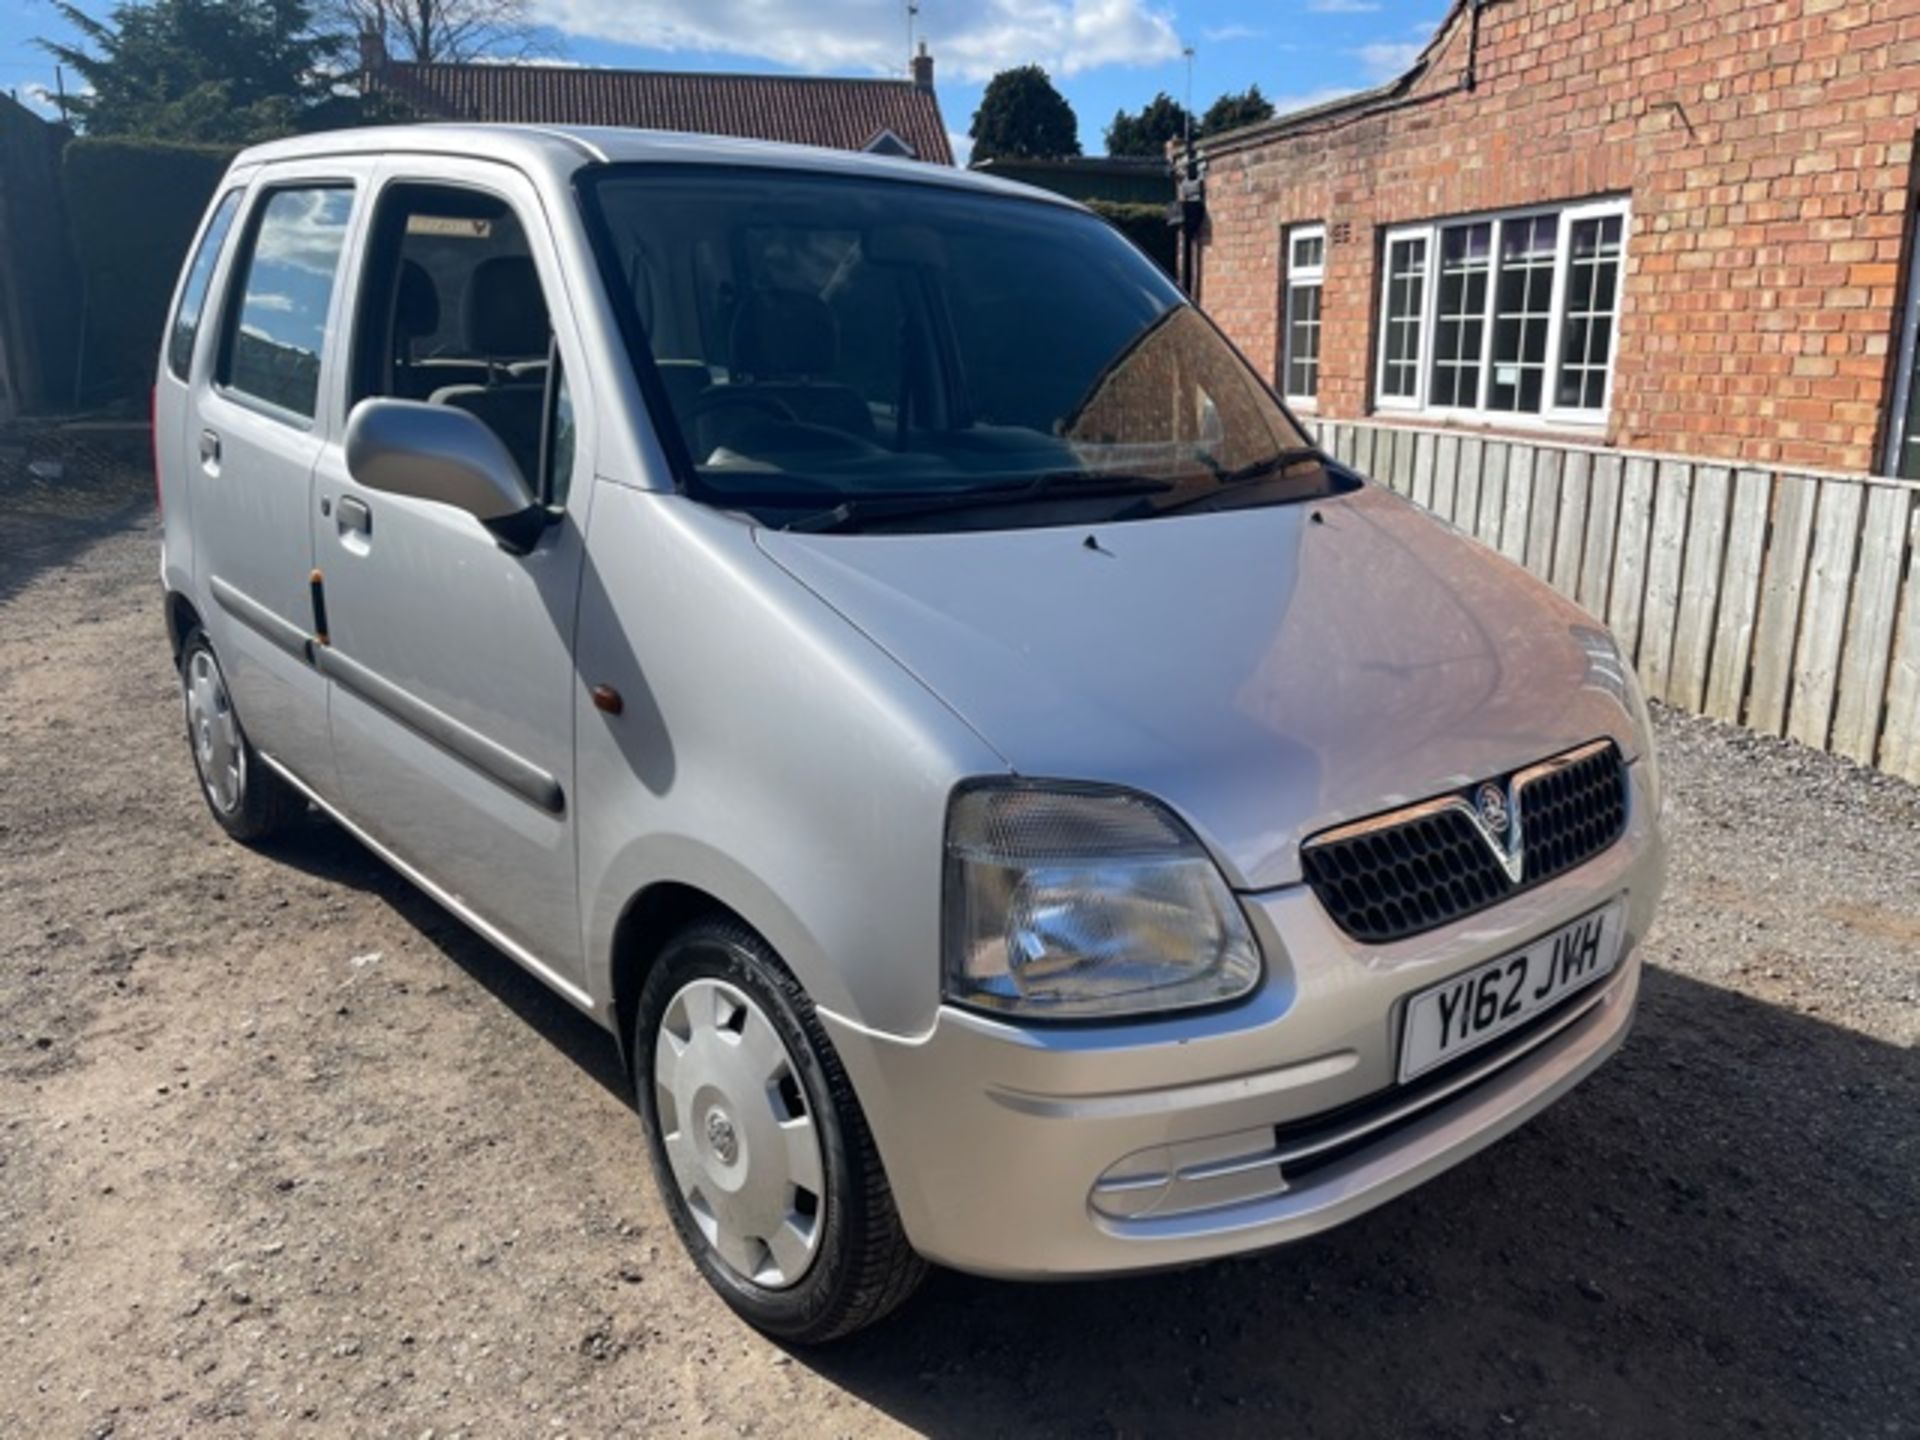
(1105, 55)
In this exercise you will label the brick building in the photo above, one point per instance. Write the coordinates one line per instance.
(884, 116)
(1682, 226)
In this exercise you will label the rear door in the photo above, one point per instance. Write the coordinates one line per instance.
(183, 363)
(256, 428)
(451, 657)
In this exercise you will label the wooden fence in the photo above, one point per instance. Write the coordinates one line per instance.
(1782, 600)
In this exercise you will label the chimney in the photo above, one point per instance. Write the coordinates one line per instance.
(923, 69)
(373, 49)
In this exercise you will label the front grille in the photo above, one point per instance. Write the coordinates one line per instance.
(1411, 870)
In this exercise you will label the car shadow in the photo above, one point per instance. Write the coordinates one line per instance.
(320, 848)
(1717, 1233)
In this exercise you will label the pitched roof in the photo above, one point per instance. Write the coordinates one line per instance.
(841, 114)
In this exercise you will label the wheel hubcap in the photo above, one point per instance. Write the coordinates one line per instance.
(739, 1136)
(214, 733)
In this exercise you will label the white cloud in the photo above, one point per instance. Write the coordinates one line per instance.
(1066, 36)
(1219, 34)
(270, 300)
(1343, 7)
(305, 230)
(45, 98)
(962, 147)
(1306, 100)
(545, 62)
(1387, 59)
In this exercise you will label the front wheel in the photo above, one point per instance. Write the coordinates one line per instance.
(759, 1144)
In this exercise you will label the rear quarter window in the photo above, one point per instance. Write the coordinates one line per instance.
(193, 295)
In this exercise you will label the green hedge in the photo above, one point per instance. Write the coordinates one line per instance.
(133, 206)
(1146, 226)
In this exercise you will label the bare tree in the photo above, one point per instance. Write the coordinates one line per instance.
(446, 31)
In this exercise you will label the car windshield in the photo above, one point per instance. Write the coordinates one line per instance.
(834, 351)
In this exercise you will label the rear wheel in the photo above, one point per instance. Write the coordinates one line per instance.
(759, 1144)
(250, 801)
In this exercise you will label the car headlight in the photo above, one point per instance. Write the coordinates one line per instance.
(1648, 761)
(1072, 901)
(1610, 670)
(1643, 744)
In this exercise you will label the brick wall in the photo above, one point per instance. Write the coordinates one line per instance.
(1766, 148)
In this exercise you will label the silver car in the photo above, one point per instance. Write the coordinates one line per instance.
(855, 631)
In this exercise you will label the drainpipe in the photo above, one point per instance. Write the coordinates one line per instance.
(1472, 76)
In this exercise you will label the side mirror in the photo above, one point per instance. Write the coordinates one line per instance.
(437, 452)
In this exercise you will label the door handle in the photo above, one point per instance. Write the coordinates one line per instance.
(353, 516)
(209, 448)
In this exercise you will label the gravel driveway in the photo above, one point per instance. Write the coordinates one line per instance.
(283, 1149)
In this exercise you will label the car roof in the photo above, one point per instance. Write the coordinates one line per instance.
(559, 150)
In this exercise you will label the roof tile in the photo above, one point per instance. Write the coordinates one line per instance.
(840, 113)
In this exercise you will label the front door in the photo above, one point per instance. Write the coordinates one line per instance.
(252, 437)
(449, 657)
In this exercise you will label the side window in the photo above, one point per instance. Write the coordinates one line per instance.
(1406, 309)
(1306, 277)
(451, 312)
(279, 334)
(193, 295)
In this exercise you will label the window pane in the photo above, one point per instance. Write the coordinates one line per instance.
(1586, 336)
(859, 340)
(1303, 341)
(283, 315)
(452, 312)
(1522, 314)
(193, 295)
(1309, 252)
(1459, 328)
(1406, 305)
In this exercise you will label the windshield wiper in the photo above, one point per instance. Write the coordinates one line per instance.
(858, 510)
(1279, 460)
(1230, 480)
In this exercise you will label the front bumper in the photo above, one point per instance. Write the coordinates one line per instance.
(1026, 1151)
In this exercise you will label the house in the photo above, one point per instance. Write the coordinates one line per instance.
(1626, 289)
(1680, 225)
(885, 116)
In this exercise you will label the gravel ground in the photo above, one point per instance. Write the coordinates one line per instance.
(283, 1149)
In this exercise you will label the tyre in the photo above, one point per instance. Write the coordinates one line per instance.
(759, 1144)
(250, 801)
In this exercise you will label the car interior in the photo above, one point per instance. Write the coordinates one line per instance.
(811, 344)
(453, 314)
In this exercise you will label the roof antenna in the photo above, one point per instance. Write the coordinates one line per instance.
(913, 13)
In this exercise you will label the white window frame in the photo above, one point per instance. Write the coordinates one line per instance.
(1303, 277)
(1550, 415)
(1416, 402)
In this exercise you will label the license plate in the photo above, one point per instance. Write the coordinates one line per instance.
(1467, 1011)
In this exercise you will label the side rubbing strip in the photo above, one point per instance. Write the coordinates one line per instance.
(493, 760)
(255, 616)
